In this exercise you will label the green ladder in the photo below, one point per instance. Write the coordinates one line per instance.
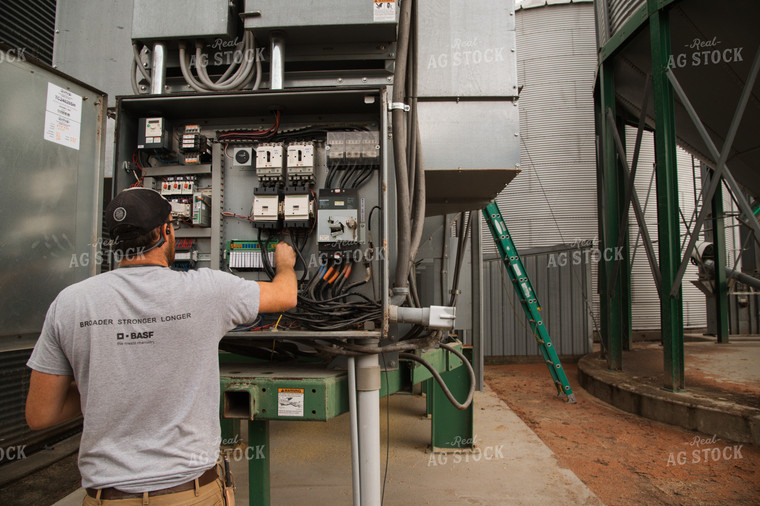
(527, 296)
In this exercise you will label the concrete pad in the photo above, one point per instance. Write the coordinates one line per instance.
(311, 462)
(73, 499)
(720, 398)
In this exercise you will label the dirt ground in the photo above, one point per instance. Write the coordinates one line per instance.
(623, 458)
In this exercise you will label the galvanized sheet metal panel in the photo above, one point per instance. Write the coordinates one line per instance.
(554, 199)
(620, 11)
(744, 313)
(51, 197)
(466, 49)
(562, 283)
(325, 21)
(29, 25)
(14, 385)
(183, 19)
(644, 299)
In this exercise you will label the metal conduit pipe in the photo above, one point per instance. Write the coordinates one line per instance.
(418, 214)
(277, 61)
(737, 275)
(398, 119)
(159, 69)
(239, 79)
(420, 196)
(184, 66)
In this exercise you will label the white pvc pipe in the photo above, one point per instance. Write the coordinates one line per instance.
(353, 415)
(369, 435)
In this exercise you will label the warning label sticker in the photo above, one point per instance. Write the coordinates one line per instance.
(290, 402)
(384, 10)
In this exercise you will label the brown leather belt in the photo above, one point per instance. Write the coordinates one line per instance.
(110, 494)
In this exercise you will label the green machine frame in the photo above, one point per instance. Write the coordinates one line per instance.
(251, 392)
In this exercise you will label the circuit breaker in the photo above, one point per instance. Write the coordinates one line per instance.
(338, 220)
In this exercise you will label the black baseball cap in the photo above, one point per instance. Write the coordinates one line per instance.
(135, 212)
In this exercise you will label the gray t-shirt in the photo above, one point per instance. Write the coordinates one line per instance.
(142, 345)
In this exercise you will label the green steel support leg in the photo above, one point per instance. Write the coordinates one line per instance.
(671, 308)
(452, 428)
(258, 463)
(625, 263)
(602, 283)
(428, 386)
(230, 431)
(611, 303)
(719, 246)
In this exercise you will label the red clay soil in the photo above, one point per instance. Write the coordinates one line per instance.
(623, 458)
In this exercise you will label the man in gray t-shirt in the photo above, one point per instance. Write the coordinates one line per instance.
(135, 351)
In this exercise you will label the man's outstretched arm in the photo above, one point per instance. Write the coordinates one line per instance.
(51, 400)
(281, 293)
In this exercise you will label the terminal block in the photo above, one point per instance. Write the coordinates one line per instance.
(269, 158)
(185, 254)
(300, 163)
(336, 148)
(353, 148)
(246, 255)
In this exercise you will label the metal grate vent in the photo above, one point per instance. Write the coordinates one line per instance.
(29, 26)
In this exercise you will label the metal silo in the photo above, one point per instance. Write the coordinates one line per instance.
(645, 303)
(554, 201)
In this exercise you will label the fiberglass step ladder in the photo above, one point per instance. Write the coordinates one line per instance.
(527, 296)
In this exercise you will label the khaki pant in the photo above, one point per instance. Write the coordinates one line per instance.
(207, 495)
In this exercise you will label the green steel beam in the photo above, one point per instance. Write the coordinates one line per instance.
(719, 247)
(599, 120)
(636, 22)
(612, 303)
(440, 359)
(625, 264)
(451, 428)
(258, 463)
(253, 395)
(257, 391)
(671, 307)
(428, 386)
